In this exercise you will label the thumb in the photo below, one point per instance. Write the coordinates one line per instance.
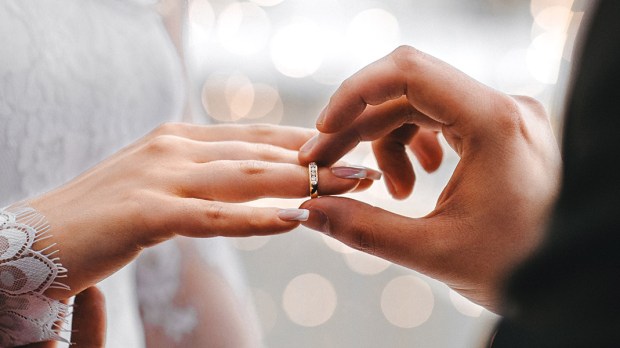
(89, 319)
(370, 229)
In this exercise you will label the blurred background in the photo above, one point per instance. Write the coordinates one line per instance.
(278, 61)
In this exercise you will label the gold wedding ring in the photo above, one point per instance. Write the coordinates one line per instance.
(313, 176)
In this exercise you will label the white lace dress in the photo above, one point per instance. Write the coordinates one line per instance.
(79, 79)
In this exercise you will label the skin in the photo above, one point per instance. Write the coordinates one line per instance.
(491, 213)
(181, 179)
(89, 323)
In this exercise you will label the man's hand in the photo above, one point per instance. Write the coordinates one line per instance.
(491, 213)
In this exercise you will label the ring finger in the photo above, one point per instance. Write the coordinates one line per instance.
(242, 181)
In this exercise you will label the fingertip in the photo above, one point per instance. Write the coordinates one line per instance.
(363, 185)
(428, 163)
(427, 149)
(308, 145)
(329, 125)
(400, 196)
(422, 158)
(293, 214)
(389, 185)
(284, 220)
(403, 190)
(94, 294)
(321, 119)
(432, 166)
(325, 123)
(356, 172)
(89, 319)
(317, 218)
(91, 297)
(398, 190)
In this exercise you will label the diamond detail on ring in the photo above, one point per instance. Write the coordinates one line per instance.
(313, 172)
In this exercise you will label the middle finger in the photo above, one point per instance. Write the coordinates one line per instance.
(202, 152)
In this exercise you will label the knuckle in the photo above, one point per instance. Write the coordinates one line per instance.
(348, 84)
(266, 152)
(170, 128)
(255, 220)
(143, 209)
(260, 130)
(215, 212)
(365, 241)
(408, 113)
(253, 167)
(161, 144)
(360, 237)
(508, 118)
(405, 57)
(358, 135)
(532, 105)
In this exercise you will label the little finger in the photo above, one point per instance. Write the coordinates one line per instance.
(209, 219)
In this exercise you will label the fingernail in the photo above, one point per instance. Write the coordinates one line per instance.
(318, 221)
(422, 159)
(294, 214)
(356, 172)
(390, 186)
(309, 144)
(321, 119)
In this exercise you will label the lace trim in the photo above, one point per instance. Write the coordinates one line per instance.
(26, 314)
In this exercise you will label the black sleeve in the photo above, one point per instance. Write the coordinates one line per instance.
(568, 293)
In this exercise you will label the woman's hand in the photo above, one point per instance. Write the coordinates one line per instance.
(489, 216)
(180, 179)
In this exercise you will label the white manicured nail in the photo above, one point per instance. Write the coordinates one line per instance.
(356, 172)
(294, 214)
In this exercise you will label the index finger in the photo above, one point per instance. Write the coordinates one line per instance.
(433, 87)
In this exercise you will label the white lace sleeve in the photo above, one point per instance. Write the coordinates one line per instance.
(26, 315)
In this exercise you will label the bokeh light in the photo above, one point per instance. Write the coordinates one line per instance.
(537, 6)
(243, 28)
(513, 76)
(297, 49)
(555, 19)
(201, 22)
(235, 98)
(201, 15)
(407, 301)
(309, 300)
(364, 263)
(549, 30)
(267, 2)
(372, 34)
(239, 94)
(544, 56)
(266, 100)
